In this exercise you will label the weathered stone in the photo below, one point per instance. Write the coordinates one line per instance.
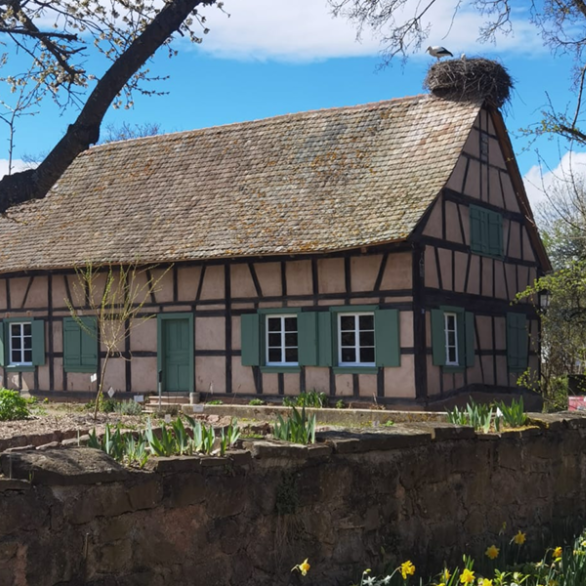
(145, 495)
(73, 466)
(13, 484)
(240, 457)
(49, 446)
(177, 465)
(355, 443)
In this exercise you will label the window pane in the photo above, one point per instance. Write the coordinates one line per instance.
(452, 355)
(28, 342)
(15, 329)
(451, 338)
(450, 322)
(291, 339)
(15, 356)
(275, 340)
(290, 324)
(27, 329)
(348, 355)
(28, 356)
(274, 355)
(16, 343)
(366, 354)
(274, 324)
(367, 338)
(291, 355)
(348, 338)
(347, 322)
(366, 322)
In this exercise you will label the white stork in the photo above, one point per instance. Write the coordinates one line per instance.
(438, 52)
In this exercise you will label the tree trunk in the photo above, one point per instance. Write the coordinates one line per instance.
(85, 131)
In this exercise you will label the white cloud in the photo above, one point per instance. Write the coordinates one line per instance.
(305, 30)
(539, 182)
(17, 165)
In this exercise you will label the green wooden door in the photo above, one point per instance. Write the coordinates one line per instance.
(177, 354)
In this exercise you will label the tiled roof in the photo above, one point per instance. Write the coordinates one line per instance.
(301, 183)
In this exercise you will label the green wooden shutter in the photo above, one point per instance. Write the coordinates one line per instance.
(387, 342)
(307, 338)
(495, 234)
(438, 337)
(325, 336)
(71, 343)
(470, 335)
(478, 230)
(250, 339)
(517, 341)
(89, 343)
(2, 348)
(38, 333)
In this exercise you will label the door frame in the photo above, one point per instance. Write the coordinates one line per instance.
(162, 317)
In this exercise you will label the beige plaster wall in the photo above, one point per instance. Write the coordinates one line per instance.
(299, 278)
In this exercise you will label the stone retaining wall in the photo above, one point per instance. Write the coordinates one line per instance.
(422, 491)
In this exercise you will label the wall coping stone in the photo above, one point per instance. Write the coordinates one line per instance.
(63, 467)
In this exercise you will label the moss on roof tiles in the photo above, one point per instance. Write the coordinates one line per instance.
(301, 183)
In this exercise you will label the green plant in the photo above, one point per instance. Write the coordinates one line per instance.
(256, 402)
(13, 406)
(478, 415)
(229, 436)
(340, 404)
(512, 416)
(128, 408)
(307, 399)
(297, 428)
(215, 402)
(166, 445)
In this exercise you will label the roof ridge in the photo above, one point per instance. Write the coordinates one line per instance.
(236, 125)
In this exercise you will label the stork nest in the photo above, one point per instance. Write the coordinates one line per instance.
(470, 80)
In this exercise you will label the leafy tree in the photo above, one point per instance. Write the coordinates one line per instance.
(56, 37)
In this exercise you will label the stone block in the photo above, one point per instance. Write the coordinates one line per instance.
(177, 464)
(355, 443)
(74, 466)
(145, 495)
(185, 490)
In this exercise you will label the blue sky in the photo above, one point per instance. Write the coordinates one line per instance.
(275, 56)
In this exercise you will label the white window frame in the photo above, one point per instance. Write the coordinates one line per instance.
(22, 348)
(446, 337)
(356, 316)
(282, 332)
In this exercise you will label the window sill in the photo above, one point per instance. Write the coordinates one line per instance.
(82, 369)
(355, 369)
(20, 368)
(453, 369)
(280, 369)
(500, 256)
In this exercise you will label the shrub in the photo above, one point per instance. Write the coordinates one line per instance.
(309, 399)
(256, 402)
(128, 408)
(215, 402)
(12, 406)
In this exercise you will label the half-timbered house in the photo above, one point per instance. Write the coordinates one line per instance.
(368, 252)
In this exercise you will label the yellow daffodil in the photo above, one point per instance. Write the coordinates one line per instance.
(303, 567)
(407, 569)
(520, 538)
(467, 577)
(486, 582)
(557, 553)
(445, 575)
(492, 552)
